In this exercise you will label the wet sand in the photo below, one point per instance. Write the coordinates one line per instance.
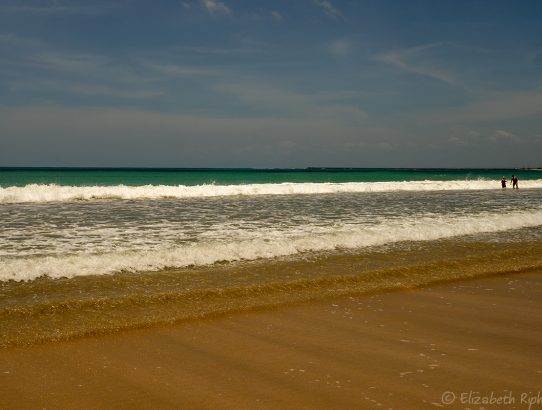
(400, 350)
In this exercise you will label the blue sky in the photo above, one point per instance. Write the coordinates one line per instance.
(271, 83)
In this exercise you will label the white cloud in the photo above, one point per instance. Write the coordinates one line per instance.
(329, 9)
(499, 136)
(410, 59)
(215, 7)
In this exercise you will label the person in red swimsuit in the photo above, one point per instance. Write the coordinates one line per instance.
(503, 182)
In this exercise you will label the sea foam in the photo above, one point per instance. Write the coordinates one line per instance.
(52, 192)
(343, 236)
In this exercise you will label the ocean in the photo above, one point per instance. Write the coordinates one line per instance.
(93, 251)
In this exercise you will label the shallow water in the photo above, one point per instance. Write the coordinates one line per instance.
(46, 310)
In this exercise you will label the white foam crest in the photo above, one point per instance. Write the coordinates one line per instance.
(346, 236)
(53, 192)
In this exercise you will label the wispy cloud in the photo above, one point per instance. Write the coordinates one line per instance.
(85, 89)
(499, 136)
(14, 40)
(87, 67)
(66, 73)
(412, 60)
(71, 62)
(175, 70)
(38, 69)
(215, 7)
(218, 51)
(330, 9)
(277, 16)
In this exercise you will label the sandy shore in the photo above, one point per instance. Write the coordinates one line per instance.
(480, 340)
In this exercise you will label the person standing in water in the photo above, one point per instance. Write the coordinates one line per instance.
(503, 182)
(514, 180)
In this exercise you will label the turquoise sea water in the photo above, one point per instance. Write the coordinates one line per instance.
(185, 176)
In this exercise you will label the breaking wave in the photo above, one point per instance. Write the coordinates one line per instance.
(52, 192)
(345, 236)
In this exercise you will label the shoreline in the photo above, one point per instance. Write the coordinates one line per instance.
(52, 310)
(401, 349)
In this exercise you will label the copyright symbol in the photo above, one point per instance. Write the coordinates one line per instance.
(448, 397)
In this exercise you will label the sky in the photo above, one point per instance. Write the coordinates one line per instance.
(271, 83)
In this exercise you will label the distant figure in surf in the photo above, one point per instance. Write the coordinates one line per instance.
(514, 180)
(503, 182)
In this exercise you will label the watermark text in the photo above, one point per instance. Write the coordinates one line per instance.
(531, 400)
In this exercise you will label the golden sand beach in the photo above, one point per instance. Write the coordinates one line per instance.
(453, 345)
